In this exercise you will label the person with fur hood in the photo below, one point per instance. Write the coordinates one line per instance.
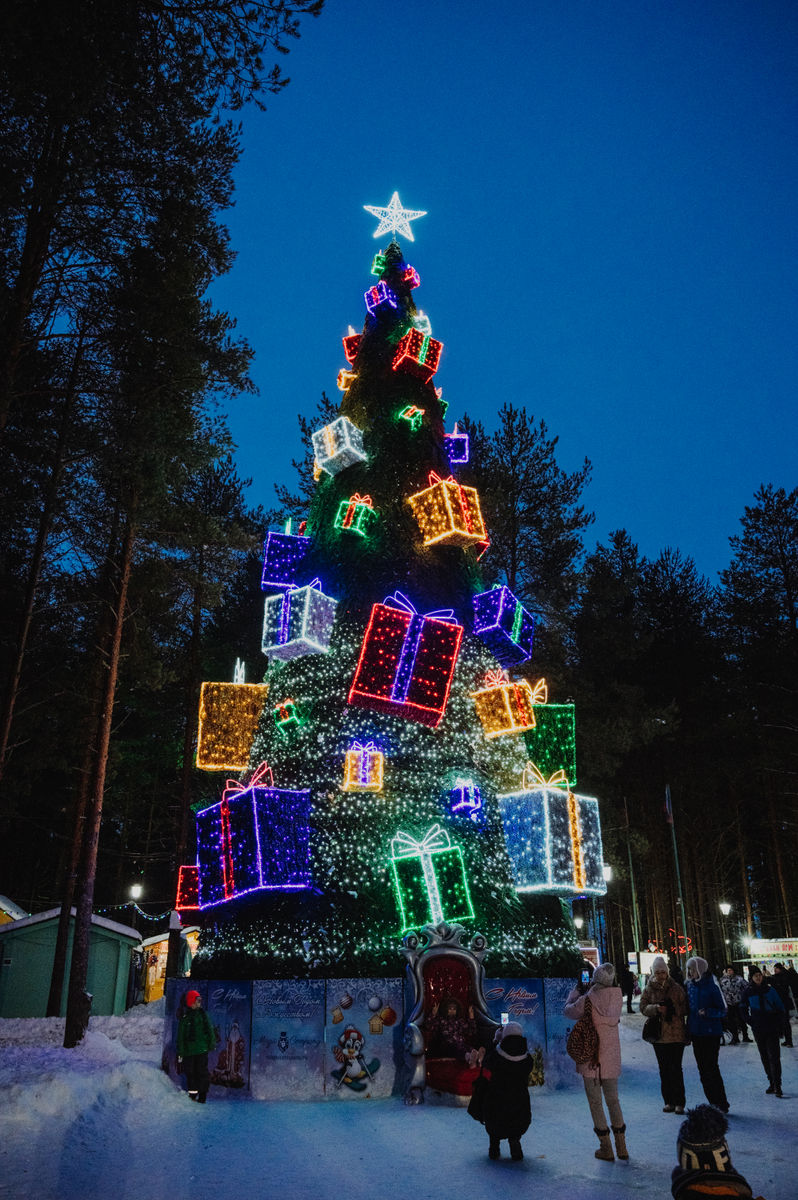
(707, 1011)
(606, 1003)
(663, 998)
(507, 1112)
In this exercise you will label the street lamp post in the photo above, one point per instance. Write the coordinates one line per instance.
(725, 909)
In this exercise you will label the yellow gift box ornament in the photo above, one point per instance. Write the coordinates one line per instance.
(506, 705)
(448, 513)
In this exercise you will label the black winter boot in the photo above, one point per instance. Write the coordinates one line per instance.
(494, 1149)
(516, 1153)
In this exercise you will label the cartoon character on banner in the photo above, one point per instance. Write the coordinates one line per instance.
(354, 1069)
(229, 1069)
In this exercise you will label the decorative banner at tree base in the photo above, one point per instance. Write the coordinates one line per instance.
(357, 515)
(418, 354)
(256, 839)
(551, 745)
(363, 768)
(430, 881)
(338, 445)
(406, 661)
(448, 514)
(504, 625)
(299, 621)
(504, 706)
(228, 718)
(187, 889)
(283, 558)
(553, 838)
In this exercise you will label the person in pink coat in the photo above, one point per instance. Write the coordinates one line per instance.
(607, 1003)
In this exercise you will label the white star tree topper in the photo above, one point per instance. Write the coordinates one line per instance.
(395, 219)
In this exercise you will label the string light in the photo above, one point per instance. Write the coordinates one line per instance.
(429, 878)
(406, 661)
(504, 625)
(357, 514)
(298, 621)
(363, 768)
(504, 706)
(413, 415)
(187, 888)
(448, 513)
(418, 354)
(228, 717)
(283, 558)
(338, 445)
(457, 447)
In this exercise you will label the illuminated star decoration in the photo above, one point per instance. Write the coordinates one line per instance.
(394, 219)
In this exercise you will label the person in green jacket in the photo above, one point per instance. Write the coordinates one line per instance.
(195, 1037)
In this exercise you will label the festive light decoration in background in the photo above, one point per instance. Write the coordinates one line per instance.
(393, 218)
(345, 379)
(357, 514)
(380, 297)
(466, 799)
(352, 343)
(187, 889)
(504, 705)
(228, 717)
(429, 878)
(504, 625)
(283, 557)
(363, 768)
(552, 743)
(287, 716)
(553, 837)
(448, 513)
(457, 447)
(256, 839)
(413, 415)
(298, 621)
(418, 354)
(338, 445)
(407, 661)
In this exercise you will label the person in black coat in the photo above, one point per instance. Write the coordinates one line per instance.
(507, 1110)
(781, 982)
(766, 1016)
(627, 981)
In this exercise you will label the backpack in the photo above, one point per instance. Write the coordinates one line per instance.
(583, 1040)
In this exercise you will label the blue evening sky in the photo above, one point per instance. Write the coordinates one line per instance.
(611, 238)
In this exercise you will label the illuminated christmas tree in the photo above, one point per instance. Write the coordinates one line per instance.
(398, 789)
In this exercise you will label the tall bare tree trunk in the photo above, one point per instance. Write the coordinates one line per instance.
(78, 1001)
(191, 701)
(778, 863)
(749, 914)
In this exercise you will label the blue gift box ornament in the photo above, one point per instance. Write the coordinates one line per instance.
(504, 625)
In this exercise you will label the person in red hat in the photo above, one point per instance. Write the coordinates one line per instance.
(195, 1037)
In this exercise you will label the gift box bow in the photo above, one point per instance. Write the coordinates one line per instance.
(533, 777)
(404, 845)
(400, 600)
(358, 499)
(235, 788)
(369, 748)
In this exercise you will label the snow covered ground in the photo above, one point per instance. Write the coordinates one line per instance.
(103, 1122)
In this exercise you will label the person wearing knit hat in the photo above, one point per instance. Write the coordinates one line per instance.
(507, 1112)
(705, 1167)
(707, 1009)
(663, 998)
(601, 1078)
(195, 1037)
(766, 1016)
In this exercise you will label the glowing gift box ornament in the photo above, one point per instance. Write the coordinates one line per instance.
(187, 889)
(504, 625)
(418, 354)
(287, 717)
(429, 878)
(504, 705)
(407, 661)
(283, 559)
(352, 343)
(414, 416)
(357, 514)
(410, 276)
(466, 800)
(551, 745)
(380, 298)
(338, 445)
(379, 263)
(448, 513)
(298, 621)
(363, 768)
(228, 718)
(256, 839)
(457, 447)
(553, 837)
(345, 379)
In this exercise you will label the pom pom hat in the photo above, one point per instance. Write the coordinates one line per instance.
(192, 997)
(705, 1166)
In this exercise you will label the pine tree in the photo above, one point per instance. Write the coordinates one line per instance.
(348, 919)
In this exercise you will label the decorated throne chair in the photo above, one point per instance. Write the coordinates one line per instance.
(443, 965)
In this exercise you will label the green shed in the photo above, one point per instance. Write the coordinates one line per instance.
(27, 947)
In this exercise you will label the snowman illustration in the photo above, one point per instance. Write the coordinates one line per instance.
(354, 1070)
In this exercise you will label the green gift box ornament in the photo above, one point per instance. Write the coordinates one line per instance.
(551, 745)
(430, 880)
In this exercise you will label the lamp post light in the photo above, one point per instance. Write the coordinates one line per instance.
(725, 909)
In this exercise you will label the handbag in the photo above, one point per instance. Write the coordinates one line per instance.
(476, 1105)
(652, 1030)
(583, 1041)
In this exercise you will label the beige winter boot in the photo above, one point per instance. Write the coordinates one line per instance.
(620, 1141)
(605, 1149)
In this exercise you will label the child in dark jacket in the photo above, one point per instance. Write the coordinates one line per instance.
(507, 1110)
(766, 1017)
(195, 1037)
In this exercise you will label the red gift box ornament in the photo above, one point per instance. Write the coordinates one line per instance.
(407, 661)
(418, 354)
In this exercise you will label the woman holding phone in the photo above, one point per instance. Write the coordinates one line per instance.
(601, 1081)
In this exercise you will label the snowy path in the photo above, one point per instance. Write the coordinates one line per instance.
(104, 1123)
